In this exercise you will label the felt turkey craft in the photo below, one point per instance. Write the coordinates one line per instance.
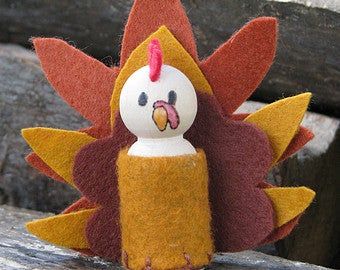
(168, 172)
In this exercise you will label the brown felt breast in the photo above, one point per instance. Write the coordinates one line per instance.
(95, 176)
(239, 157)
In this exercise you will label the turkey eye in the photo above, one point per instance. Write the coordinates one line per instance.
(172, 97)
(142, 99)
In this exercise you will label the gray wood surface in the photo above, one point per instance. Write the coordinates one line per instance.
(20, 250)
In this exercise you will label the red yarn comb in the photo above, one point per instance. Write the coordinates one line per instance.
(155, 59)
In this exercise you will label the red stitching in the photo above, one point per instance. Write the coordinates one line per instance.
(187, 258)
(148, 263)
(125, 259)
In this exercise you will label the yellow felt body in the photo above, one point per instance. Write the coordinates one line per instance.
(165, 210)
(289, 202)
(66, 230)
(57, 148)
(173, 54)
(280, 121)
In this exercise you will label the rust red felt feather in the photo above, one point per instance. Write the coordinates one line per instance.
(36, 162)
(236, 68)
(147, 16)
(83, 82)
(82, 203)
(303, 136)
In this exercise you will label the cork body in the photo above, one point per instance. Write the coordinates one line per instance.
(165, 215)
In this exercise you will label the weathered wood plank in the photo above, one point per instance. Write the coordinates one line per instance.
(308, 56)
(20, 250)
(26, 100)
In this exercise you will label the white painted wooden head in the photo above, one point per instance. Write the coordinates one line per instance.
(158, 101)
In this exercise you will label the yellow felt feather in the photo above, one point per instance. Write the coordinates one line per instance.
(280, 121)
(173, 54)
(289, 202)
(66, 230)
(57, 148)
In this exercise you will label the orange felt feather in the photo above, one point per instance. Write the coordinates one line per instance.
(36, 162)
(236, 69)
(289, 202)
(83, 82)
(66, 230)
(57, 148)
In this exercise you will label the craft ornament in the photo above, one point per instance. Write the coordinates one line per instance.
(167, 172)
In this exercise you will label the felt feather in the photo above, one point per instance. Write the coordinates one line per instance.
(236, 69)
(81, 204)
(280, 121)
(36, 162)
(303, 136)
(282, 231)
(289, 202)
(95, 176)
(105, 222)
(146, 16)
(94, 168)
(57, 148)
(66, 230)
(85, 83)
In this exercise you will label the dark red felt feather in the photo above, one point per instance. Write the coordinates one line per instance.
(95, 176)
